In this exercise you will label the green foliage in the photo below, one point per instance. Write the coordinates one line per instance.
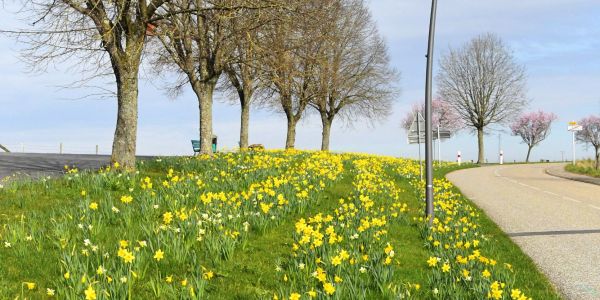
(584, 167)
(227, 229)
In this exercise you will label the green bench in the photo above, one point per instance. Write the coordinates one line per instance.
(196, 145)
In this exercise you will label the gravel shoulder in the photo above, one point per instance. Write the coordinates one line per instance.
(556, 221)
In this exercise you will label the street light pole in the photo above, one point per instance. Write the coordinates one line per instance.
(428, 134)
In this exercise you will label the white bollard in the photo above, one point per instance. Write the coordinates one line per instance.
(458, 158)
(61, 148)
(501, 157)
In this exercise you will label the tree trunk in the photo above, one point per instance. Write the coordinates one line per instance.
(480, 158)
(290, 139)
(124, 142)
(204, 92)
(244, 122)
(326, 133)
(528, 152)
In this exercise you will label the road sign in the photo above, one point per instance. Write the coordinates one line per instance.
(416, 132)
(441, 134)
(573, 127)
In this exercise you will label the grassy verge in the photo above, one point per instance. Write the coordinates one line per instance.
(584, 167)
(247, 226)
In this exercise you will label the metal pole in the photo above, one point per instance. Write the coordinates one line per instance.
(419, 144)
(61, 148)
(428, 133)
(573, 147)
(499, 148)
(96, 149)
(439, 147)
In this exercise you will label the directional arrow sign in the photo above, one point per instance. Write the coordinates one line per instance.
(416, 132)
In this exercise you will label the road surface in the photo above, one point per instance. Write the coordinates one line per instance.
(555, 221)
(37, 165)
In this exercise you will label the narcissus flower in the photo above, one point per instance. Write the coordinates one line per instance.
(329, 288)
(30, 285)
(432, 261)
(159, 254)
(90, 293)
(126, 199)
(446, 268)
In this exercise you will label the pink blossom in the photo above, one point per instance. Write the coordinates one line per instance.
(442, 114)
(533, 128)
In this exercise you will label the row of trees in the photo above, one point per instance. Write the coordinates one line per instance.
(480, 84)
(295, 57)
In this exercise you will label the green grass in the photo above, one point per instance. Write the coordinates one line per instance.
(250, 271)
(584, 167)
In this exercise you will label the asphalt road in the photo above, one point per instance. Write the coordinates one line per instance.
(555, 221)
(37, 165)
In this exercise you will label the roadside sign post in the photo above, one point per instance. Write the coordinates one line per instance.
(416, 135)
(458, 158)
(501, 157)
(439, 146)
(573, 128)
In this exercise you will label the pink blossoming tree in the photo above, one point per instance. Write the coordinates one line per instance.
(533, 128)
(590, 135)
(442, 114)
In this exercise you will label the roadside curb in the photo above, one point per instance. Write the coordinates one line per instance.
(571, 176)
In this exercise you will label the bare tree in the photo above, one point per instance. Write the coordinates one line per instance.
(199, 39)
(483, 83)
(533, 128)
(243, 69)
(590, 135)
(290, 47)
(353, 73)
(96, 33)
(194, 42)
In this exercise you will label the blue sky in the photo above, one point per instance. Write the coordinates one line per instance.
(557, 41)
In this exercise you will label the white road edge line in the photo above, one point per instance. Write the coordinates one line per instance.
(571, 199)
(538, 189)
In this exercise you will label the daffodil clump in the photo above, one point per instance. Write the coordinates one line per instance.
(460, 268)
(173, 232)
(347, 253)
(162, 237)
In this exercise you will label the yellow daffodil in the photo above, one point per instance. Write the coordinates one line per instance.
(159, 254)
